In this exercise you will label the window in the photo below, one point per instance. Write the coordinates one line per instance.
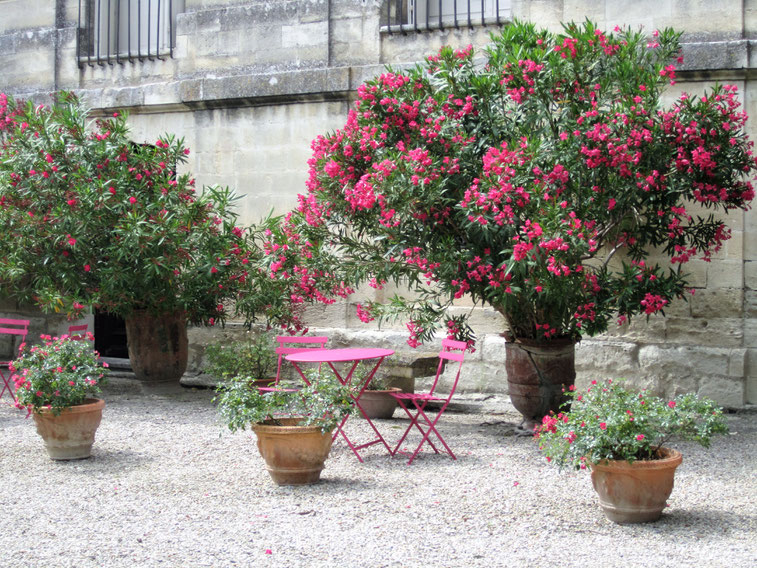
(114, 31)
(417, 15)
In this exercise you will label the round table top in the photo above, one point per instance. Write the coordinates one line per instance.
(339, 355)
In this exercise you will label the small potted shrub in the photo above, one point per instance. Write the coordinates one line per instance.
(252, 360)
(621, 435)
(56, 382)
(294, 427)
(376, 399)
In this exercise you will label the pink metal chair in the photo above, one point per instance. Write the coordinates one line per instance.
(77, 332)
(11, 327)
(414, 404)
(296, 344)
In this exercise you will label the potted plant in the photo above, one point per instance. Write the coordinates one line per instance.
(253, 359)
(293, 426)
(376, 399)
(544, 178)
(621, 434)
(95, 219)
(56, 382)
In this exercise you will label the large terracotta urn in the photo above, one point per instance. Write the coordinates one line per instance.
(635, 492)
(158, 345)
(538, 375)
(294, 455)
(70, 435)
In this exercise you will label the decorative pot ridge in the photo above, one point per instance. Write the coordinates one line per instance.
(635, 492)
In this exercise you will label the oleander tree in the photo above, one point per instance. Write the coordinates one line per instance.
(543, 177)
(91, 219)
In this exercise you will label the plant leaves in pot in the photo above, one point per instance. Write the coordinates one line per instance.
(293, 426)
(621, 434)
(252, 359)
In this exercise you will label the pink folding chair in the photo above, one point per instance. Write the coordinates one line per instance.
(290, 344)
(11, 327)
(414, 404)
(77, 332)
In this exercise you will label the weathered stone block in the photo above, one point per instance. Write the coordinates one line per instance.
(717, 303)
(719, 332)
(726, 391)
(305, 35)
(751, 376)
(492, 349)
(685, 360)
(604, 359)
(737, 363)
(725, 274)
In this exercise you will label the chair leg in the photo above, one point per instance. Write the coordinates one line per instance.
(7, 386)
(425, 429)
(431, 427)
(413, 422)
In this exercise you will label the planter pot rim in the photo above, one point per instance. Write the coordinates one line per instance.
(670, 457)
(85, 406)
(290, 425)
(537, 343)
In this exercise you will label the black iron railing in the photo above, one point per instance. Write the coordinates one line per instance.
(115, 31)
(419, 15)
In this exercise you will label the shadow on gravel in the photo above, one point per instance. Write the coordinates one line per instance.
(698, 521)
(103, 460)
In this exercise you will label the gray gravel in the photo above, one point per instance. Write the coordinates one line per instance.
(168, 486)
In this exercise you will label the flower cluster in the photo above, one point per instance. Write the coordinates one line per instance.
(539, 183)
(611, 422)
(60, 373)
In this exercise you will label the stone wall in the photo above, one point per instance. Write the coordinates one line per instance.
(250, 84)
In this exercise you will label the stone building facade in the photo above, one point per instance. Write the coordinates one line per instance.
(250, 83)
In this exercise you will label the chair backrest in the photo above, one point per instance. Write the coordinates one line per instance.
(289, 344)
(14, 327)
(452, 350)
(77, 332)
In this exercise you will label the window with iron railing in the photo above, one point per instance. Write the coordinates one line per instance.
(115, 31)
(419, 15)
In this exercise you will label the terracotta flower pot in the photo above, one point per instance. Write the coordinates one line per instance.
(158, 345)
(70, 435)
(378, 403)
(294, 455)
(635, 492)
(538, 374)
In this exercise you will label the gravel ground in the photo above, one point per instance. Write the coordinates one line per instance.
(168, 486)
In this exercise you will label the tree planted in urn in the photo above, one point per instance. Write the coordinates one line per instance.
(92, 219)
(543, 177)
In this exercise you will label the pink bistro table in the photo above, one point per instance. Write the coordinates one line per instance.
(353, 355)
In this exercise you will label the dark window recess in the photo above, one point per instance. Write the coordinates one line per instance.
(401, 16)
(116, 31)
(110, 336)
